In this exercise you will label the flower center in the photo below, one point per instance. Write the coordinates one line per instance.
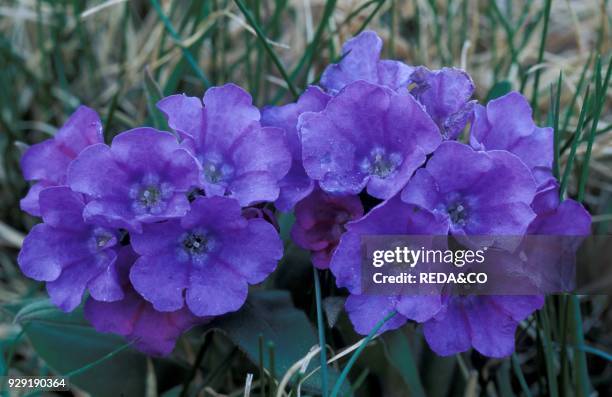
(380, 163)
(102, 239)
(215, 170)
(195, 246)
(457, 213)
(195, 243)
(150, 195)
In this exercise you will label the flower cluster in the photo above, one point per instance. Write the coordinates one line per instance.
(156, 230)
(164, 230)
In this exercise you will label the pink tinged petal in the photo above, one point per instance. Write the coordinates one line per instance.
(30, 202)
(438, 333)
(185, 114)
(229, 114)
(96, 173)
(203, 297)
(35, 259)
(366, 311)
(45, 161)
(117, 317)
(106, 286)
(67, 290)
(252, 252)
(161, 280)
(62, 208)
(82, 129)
(419, 308)
(156, 333)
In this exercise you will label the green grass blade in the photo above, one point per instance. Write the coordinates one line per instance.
(518, 372)
(536, 80)
(581, 372)
(321, 329)
(264, 41)
(357, 353)
(186, 53)
(154, 95)
(549, 357)
(555, 124)
(576, 139)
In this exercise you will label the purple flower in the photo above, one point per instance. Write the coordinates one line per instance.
(320, 222)
(206, 259)
(47, 162)
(142, 177)
(153, 332)
(392, 217)
(445, 94)
(556, 218)
(367, 136)
(69, 254)
(361, 61)
(238, 158)
(506, 124)
(475, 193)
(487, 323)
(296, 184)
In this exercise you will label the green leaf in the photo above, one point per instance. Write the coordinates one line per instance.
(499, 89)
(399, 354)
(154, 95)
(272, 315)
(67, 343)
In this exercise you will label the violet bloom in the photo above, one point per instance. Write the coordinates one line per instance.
(476, 193)
(506, 124)
(206, 259)
(296, 184)
(47, 162)
(133, 317)
(367, 135)
(143, 177)
(361, 61)
(320, 222)
(392, 217)
(487, 323)
(445, 94)
(238, 158)
(70, 255)
(556, 217)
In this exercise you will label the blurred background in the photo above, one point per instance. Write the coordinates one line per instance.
(119, 57)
